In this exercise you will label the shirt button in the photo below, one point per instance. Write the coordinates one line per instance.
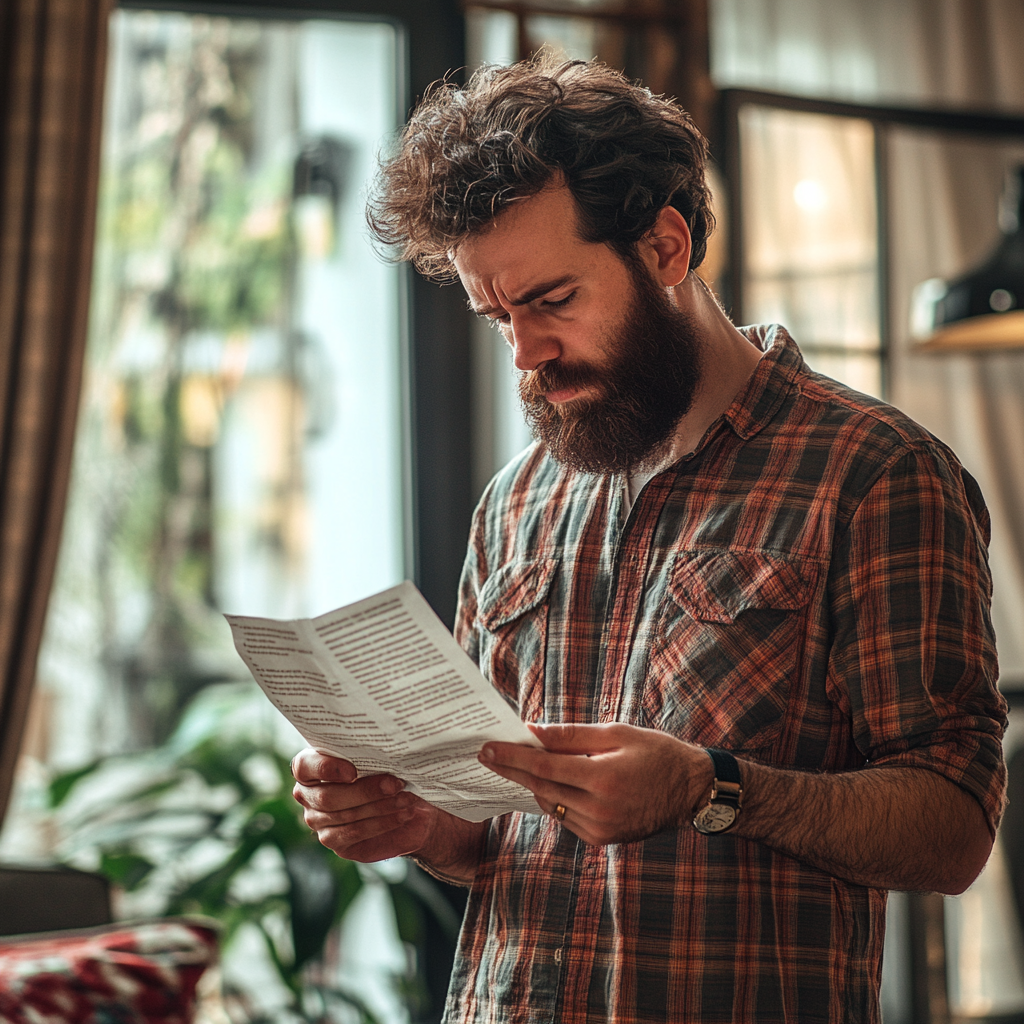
(558, 955)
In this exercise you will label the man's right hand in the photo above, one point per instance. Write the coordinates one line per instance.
(372, 818)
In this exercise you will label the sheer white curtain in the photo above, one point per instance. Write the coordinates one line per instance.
(958, 53)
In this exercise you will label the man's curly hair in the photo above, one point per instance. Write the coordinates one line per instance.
(467, 153)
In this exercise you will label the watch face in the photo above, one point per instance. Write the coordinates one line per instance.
(714, 818)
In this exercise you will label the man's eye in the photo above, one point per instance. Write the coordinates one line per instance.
(493, 321)
(559, 303)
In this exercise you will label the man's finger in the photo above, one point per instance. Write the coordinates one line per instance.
(398, 842)
(368, 792)
(548, 792)
(576, 738)
(370, 789)
(311, 766)
(503, 757)
(398, 810)
(565, 769)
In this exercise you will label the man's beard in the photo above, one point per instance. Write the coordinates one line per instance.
(642, 392)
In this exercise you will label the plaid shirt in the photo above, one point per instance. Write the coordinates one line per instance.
(808, 589)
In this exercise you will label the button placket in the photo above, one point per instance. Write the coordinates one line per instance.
(628, 593)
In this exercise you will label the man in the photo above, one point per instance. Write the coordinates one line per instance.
(710, 548)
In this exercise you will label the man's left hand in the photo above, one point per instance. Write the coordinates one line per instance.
(617, 783)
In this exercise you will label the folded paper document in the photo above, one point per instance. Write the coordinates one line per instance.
(383, 684)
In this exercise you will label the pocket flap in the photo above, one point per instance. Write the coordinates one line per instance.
(514, 589)
(716, 586)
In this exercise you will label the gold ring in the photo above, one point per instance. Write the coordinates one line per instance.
(559, 812)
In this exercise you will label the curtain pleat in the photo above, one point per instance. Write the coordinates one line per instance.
(52, 64)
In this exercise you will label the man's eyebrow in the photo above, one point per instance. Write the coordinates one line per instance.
(527, 297)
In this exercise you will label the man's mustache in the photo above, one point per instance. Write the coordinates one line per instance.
(556, 376)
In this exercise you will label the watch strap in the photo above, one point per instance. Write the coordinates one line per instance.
(726, 768)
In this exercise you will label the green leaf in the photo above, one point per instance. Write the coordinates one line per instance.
(287, 829)
(219, 765)
(125, 868)
(233, 915)
(408, 913)
(341, 995)
(287, 971)
(209, 893)
(419, 887)
(349, 882)
(312, 896)
(271, 821)
(63, 784)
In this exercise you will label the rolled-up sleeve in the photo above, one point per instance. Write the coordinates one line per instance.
(913, 654)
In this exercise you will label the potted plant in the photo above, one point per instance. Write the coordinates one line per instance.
(206, 824)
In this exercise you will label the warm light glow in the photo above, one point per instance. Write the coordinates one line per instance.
(810, 195)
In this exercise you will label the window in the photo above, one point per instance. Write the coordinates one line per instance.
(810, 240)
(240, 444)
(242, 434)
(820, 236)
(841, 213)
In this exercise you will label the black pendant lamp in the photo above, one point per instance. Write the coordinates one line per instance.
(983, 310)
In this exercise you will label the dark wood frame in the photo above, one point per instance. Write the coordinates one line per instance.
(438, 491)
(963, 122)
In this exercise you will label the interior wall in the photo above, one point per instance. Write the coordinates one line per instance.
(947, 53)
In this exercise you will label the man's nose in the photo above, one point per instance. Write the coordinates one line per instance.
(532, 344)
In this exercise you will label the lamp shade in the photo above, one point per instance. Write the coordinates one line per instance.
(982, 310)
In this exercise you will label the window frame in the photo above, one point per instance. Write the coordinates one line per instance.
(980, 124)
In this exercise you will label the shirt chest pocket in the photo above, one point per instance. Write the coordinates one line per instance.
(726, 647)
(513, 628)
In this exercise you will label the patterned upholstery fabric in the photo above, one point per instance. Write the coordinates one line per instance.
(122, 974)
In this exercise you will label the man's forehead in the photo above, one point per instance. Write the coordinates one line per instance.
(524, 249)
(550, 215)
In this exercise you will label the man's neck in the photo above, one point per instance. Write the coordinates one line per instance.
(728, 361)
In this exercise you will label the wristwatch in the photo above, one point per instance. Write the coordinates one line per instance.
(720, 812)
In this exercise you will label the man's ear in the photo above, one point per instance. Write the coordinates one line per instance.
(670, 244)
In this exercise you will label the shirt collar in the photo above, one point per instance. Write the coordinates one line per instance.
(774, 377)
(751, 410)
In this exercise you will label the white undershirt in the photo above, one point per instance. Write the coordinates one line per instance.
(634, 483)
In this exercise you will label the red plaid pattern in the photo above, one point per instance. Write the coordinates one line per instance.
(809, 589)
(132, 974)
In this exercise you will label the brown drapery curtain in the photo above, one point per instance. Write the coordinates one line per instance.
(52, 63)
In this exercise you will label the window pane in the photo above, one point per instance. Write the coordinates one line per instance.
(862, 371)
(810, 233)
(240, 435)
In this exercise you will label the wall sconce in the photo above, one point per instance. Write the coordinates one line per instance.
(321, 169)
